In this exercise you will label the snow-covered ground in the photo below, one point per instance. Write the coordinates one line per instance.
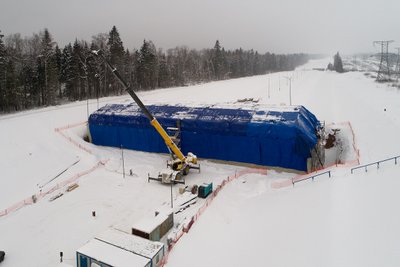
(348, 220)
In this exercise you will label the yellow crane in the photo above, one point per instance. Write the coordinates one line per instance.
(179, 165)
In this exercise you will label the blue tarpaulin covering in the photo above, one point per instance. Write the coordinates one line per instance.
(276, 137)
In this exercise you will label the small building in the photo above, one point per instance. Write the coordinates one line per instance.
(154, 228)
(114, 248)
(274, 136)
(107, 255)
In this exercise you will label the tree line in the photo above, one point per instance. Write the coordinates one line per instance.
(36, 72)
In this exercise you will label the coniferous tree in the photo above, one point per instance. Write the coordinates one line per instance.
(78, 71)
(337, 63)
(129, 68)
(12, 93)
(163, 74)
(48, 73)
(116, 57)
(218, 61)
(85, 68)
(193, 67)
(257, 67)
(135, 66)
(57, 60)
(147, 71)
(33, 71)
(28, 81)
(66, 73)
(176, 74)
(242, 64)
(74, 86)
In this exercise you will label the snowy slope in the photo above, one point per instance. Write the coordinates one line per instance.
(291, 223)
(348, 220)
(345, 221)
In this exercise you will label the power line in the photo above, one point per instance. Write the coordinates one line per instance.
(384, 66)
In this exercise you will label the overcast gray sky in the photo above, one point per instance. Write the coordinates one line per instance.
(280, 26)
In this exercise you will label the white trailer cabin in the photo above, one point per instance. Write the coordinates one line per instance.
(96, 252)
(154, 251)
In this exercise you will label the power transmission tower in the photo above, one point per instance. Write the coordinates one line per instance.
(384, 66)
(397, 71)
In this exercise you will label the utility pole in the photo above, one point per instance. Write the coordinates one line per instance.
(279, 79)
(384, 66)
(397, 71)
(290, 89)
(123, 162)
(97, 87)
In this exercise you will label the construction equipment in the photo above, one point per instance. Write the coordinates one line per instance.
(205, 190)
(179, 165)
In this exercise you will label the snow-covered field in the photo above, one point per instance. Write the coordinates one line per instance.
(348, 220)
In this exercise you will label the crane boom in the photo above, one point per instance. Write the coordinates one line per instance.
(153, 121)
(181, 165)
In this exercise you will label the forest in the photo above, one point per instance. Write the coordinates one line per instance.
(36, 72)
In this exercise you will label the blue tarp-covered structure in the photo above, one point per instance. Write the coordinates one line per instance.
(281, 137)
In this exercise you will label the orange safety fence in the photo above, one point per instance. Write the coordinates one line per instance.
(61, 132)
(36, 197)
(32, 199)
(69, 126)
(187, 226)
(348, 163)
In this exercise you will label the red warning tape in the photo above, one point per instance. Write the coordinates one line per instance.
(36, 197)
